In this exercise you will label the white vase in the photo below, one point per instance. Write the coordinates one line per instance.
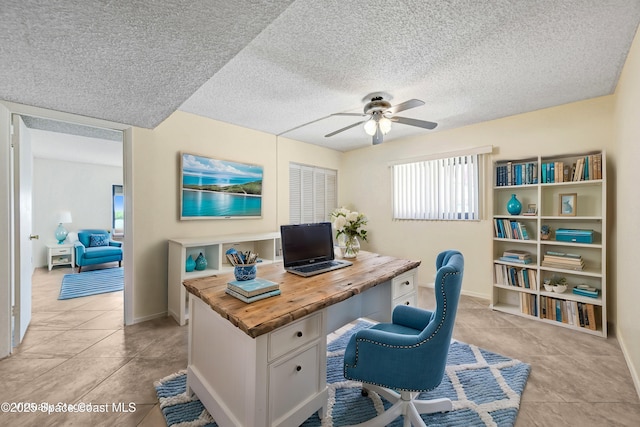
(351, 247)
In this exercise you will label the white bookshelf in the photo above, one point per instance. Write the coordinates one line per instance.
(590, 214)
(267, 245)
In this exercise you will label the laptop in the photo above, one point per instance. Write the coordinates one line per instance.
(307, 249)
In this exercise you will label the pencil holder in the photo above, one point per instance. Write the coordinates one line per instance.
(245, 272)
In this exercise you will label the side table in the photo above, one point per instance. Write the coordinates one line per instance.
(60, 254)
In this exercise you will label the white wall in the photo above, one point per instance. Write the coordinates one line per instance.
(156, 186)
(365, 183)
(627, 122)
(83, 189)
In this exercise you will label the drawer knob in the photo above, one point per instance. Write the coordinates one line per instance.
(407, 303)
(298, 368)
(406, 282)
(299, 334)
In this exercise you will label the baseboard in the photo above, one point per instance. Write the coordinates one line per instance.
(627, 358)
(150, 317)
(463, 292)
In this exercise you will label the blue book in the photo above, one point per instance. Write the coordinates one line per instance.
(255, 298)
(250, 288)
(585, 292)
(525, 277)
(515, 260)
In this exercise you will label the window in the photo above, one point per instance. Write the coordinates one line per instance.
(445, 188)
(117, 210)
(312, 193)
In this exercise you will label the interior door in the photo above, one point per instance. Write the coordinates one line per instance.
(23, 173)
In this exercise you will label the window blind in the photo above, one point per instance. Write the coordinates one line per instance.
(437, 189)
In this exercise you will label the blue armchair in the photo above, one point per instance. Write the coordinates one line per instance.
(409, 355)
(96, 247)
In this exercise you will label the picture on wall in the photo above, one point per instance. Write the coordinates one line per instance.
(219, 189)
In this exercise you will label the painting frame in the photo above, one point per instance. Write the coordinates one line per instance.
(214, 188)
(568, 204)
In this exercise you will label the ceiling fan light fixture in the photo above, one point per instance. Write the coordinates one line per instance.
(385, 125)
(370, 127)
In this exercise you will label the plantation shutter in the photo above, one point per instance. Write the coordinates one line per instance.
(312, 193)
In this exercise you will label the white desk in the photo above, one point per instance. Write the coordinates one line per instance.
(264, 364)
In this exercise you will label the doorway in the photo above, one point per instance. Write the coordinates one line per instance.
(52, 171)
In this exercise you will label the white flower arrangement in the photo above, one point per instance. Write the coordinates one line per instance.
(349, 223)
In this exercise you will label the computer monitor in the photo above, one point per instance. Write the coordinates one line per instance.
(306, 243)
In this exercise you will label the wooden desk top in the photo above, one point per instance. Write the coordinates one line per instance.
(300, 296)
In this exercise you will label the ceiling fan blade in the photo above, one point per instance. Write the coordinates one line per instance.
(377, 137)
(414, 122)
(349, 114)
(343, 129)
(412, 103)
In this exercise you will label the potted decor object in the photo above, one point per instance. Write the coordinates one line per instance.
(201, 262)
(190, 265)
(245, 272)
(545, 232)
(559, 283)
(514, 207)
(349, 228)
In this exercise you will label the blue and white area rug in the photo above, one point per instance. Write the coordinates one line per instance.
(91, 283)
(485, 389)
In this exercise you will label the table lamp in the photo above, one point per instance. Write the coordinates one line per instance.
(61, 232)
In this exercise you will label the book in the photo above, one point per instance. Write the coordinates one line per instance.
(516, 260)
(254, 298)
(516, 253)
(586, 293)
(250, 288)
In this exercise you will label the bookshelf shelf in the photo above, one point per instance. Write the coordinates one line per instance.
(545, 181)
(515, 288)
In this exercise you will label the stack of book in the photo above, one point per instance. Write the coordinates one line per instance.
(506, 229)
(562, 260)
(252, 290)
(586, 291)
(516, 256)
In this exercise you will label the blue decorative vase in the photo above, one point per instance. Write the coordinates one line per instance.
(245, 272)
(61, 234)
(191, 264)
(514, 207)
(201, 262)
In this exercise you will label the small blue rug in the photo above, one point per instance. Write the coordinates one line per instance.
(92, 283)
(484, 387)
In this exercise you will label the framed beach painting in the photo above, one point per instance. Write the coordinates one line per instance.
(219, 189)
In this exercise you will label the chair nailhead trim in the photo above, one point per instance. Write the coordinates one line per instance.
(444, 312)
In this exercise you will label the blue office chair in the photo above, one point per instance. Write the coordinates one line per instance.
(410, 354)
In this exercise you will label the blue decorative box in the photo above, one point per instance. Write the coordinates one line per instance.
(574, 235)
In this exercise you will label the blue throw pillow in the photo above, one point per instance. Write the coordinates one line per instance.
(98, 240)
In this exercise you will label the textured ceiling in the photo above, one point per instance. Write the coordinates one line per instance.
(276, 65)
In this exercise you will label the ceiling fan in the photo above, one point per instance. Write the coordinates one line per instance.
(380, 115)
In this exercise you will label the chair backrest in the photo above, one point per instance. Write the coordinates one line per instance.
(85, 235)
(447, 287)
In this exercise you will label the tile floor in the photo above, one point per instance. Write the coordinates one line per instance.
(78, 351)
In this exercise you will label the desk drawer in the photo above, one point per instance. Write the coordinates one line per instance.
(293, 381)
(408, 299)
(294, 335)
(61, 251)
(403, 284)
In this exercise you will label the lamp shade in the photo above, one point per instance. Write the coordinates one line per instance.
(64, 217)
(370, 127)
(385, 125)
